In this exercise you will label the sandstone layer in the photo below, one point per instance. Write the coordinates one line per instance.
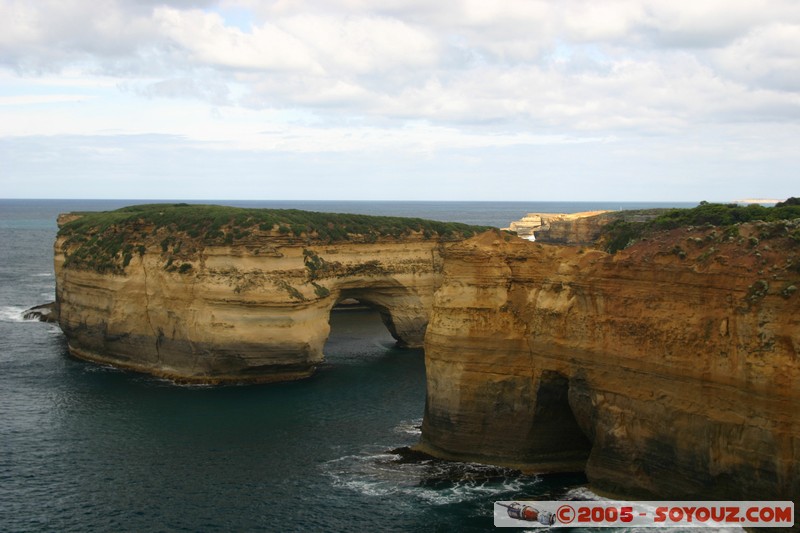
(565, 228)
(250, 308)
(582, 228)
(669, 370)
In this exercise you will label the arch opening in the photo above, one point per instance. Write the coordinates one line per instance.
(556, 431)
(356, 331)
(369, 321)
(401, 311)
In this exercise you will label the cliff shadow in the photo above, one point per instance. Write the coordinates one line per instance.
(555, 434)
(401, 310)
(355, 330)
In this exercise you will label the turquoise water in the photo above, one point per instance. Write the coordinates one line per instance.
(90, 448)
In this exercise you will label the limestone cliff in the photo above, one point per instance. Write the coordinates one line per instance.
(209, 294)
(668, 370)
(574, 228)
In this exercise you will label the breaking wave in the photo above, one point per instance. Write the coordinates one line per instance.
(402, 472)
(10, 313)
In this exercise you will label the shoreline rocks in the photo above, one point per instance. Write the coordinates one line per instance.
(43, 313)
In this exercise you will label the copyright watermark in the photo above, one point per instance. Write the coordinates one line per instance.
(643, 514)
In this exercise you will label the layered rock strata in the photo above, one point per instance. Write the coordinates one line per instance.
(669, 370)
(564, 228)
(582, 228)
(256, 309)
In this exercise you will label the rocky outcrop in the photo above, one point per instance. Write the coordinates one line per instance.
(238, 303)
(582, 228)
(43, 313)
(237, 315)
(669, 370)
(562, 228)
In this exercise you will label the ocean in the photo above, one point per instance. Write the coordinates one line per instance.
(85, 447)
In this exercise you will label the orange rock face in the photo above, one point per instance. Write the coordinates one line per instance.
(241, 313)
(562, 228)
(669, 370)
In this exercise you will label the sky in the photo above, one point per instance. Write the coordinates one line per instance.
(583, 100)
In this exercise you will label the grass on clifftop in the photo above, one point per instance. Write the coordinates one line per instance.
(620, 234)
(105, 241)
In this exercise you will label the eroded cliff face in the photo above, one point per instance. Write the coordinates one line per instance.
(669, 370)
(584, 228)
(255, 311)
(562, 228)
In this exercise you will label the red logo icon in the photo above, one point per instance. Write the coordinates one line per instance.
(565, 514)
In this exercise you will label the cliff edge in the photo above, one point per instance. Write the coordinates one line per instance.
(668, 370)
(582, 228)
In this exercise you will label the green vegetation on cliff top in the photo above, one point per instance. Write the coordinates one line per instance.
(105, 241)
(620, 234)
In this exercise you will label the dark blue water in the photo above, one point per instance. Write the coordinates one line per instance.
(89, 448)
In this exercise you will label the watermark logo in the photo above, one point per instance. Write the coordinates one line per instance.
(643, 514)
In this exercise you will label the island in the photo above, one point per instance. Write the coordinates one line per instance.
(213, 294)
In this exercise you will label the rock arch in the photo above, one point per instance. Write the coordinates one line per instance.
(240, 313)
(401, 309)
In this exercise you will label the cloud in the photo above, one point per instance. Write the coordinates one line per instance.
(49, 35)
(210, 90)
(206, 41)
(341, 76)
(713, 23)
(766, 57)
(38, 99)
(702, 165)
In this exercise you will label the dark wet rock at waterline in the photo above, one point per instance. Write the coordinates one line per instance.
(43, 313)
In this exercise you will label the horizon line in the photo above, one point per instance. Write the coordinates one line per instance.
(660, 201)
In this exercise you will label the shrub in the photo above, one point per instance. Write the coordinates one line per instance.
(103, 241)
(788, 202)
(320, 291)
(620, 234)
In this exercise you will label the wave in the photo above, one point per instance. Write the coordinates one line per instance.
(409, 427)
(12, 313)
(166, 382)
(431, 481)
(91, 367)
(42, 275)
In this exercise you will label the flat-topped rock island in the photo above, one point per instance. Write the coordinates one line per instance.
(214, 294)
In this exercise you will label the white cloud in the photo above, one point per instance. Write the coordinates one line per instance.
(587, 20)
(208, 42)
(713, 23)
(363, 45)
(38, 99)
(768, 56)
(413, 76)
